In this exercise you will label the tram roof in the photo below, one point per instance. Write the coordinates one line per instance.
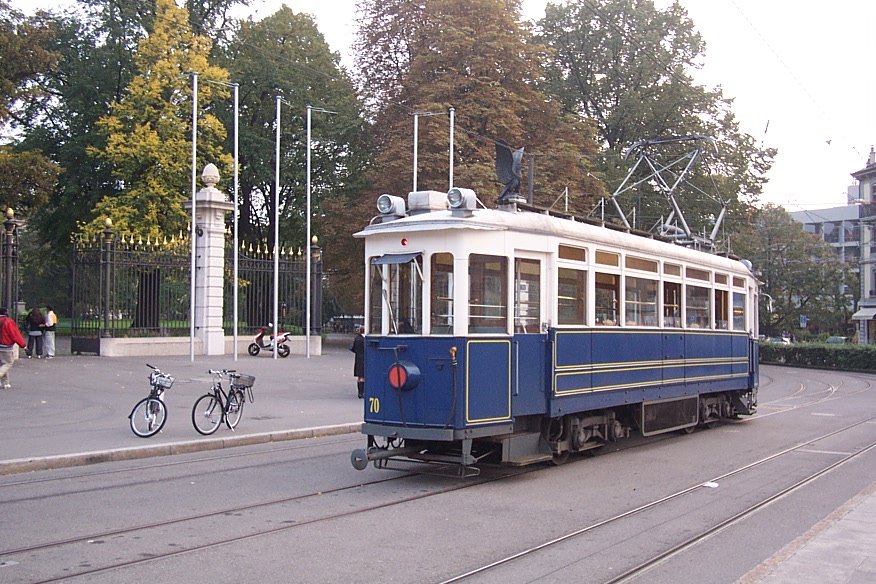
(526, 221)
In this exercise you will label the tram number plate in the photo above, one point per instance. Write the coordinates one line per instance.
(373, 405)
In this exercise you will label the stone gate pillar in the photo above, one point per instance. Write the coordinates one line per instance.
(210, 209)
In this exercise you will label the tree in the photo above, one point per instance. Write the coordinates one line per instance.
(801, 274)
(285, 55)
(628, 66)
(148, 130)
(474, 56)
(26, 176)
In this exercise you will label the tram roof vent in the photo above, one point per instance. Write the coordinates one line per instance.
(426, 201)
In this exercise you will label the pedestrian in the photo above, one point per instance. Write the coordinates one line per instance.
(9, 336)
(36, 322)
(358, 349)
(49, 332)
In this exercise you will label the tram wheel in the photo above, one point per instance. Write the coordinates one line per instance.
(560, 458)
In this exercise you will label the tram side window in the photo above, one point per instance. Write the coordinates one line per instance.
(738, 311)
(487, 294)
(397, 289)
(672, 304)
(375, 310)
(697, 306)
(527, 295)
(640, 307)
(607, 293)
(571, 296)
(721, 310)
(442, 293)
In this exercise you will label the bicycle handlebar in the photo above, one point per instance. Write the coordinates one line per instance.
(221, 371)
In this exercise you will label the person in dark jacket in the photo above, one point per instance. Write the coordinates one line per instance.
(36, 324)
(358, 349)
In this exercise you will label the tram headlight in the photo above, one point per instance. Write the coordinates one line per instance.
(459, 198)
(391, 205)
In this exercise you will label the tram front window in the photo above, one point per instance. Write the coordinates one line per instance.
(396, 295)
(487, 294)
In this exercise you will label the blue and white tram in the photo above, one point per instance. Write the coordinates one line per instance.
(513, 336)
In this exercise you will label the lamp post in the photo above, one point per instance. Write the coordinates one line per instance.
(108, 236)
(10, 256)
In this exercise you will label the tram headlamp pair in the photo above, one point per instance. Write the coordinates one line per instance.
(464, 199)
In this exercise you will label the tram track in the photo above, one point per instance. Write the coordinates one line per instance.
(639, 569)
(132, 532)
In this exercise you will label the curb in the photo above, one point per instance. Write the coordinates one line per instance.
(21, 465)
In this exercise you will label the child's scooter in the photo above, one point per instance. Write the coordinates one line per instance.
(265, 340)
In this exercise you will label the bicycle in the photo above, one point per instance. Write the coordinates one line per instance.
(217, 406)
(149, 415)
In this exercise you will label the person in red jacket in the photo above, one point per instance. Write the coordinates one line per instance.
(9, 336)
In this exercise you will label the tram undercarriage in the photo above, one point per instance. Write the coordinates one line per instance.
(534, 439)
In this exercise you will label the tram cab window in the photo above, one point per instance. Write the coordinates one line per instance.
(487, 294)
(527, 295)
(441, 300)
(607, 295)
(721, 310)
(738, 311)
(571, 296)
(672, 304)
(396, 295)
(697, 307)
(640, 306)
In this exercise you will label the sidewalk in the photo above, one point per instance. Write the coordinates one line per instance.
(73, 410)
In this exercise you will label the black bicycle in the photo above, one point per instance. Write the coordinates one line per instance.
(149, 415)
(217, 406)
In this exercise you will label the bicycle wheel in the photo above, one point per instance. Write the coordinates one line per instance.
(207, 414)
(148, 417)
(235, 408)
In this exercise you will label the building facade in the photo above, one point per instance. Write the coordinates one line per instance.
(866, 314)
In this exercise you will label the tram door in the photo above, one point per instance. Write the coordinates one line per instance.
(528, 341)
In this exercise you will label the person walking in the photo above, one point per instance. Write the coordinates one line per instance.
(49, 332)
(358, 349)
(9, 336)
(36, 322)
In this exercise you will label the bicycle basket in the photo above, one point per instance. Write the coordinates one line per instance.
(243, 381)
(162, 380)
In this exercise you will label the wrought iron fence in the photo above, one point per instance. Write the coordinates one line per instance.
(131, 287)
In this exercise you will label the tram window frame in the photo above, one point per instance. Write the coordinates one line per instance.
(722, 316)
(697, 314)
(484, 281)
(672, 306)
(607, 291)
(671, 269)
(638, 312)
(527, 312)
(441, 280)
(399, 286)
(739, 306)
(571, 296)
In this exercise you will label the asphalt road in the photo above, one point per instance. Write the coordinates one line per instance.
(297, 512)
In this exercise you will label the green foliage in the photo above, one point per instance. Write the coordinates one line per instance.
(148, 131)
(841, 357)
(628, 66)
(477, 57)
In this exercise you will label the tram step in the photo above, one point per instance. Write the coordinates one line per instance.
(525, 448)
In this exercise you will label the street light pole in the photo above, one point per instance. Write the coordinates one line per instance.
(193, 234)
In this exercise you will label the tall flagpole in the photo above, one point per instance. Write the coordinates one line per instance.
(236, 213)
(277, 225)
(307, 241)
(194, 233)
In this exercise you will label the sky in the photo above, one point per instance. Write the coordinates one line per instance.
(801, 80)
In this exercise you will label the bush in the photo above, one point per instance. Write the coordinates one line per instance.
(845, 357)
